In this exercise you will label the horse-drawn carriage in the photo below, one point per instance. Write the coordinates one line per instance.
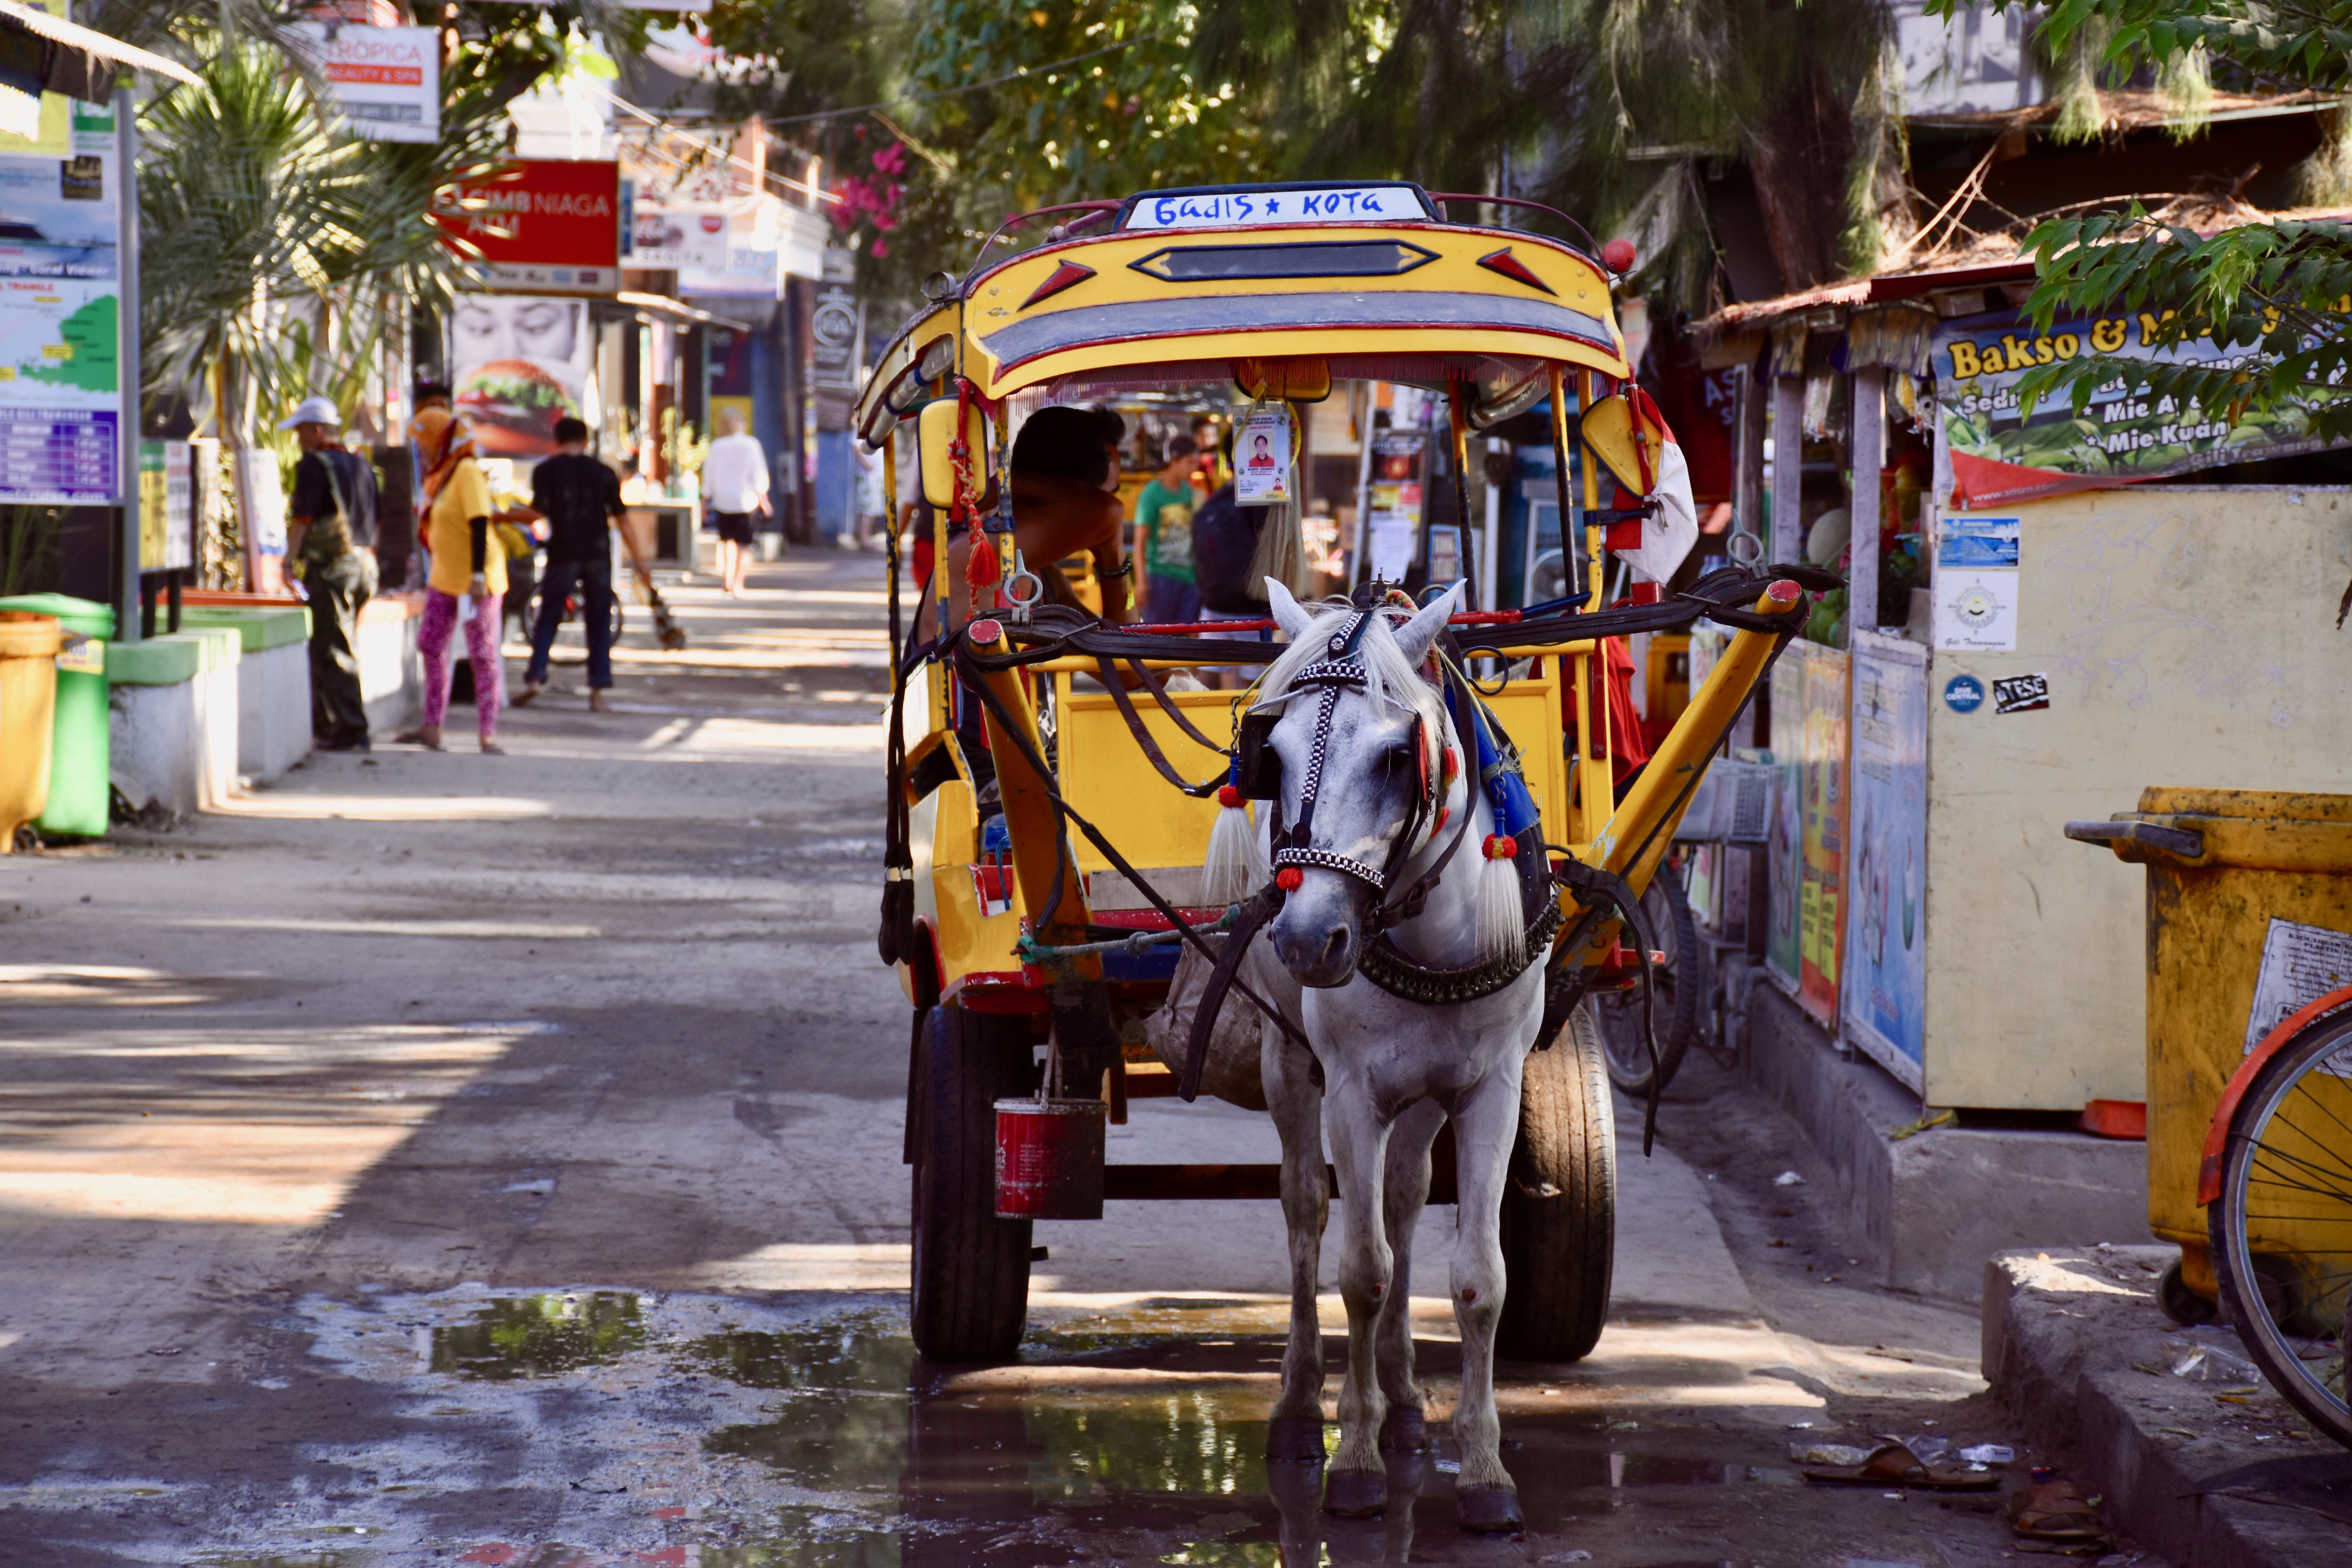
(1068, 817)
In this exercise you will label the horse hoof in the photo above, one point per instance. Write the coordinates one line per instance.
(1403, 1431)
(1356, 1494)
(1490, 1510)
(1295, 1439)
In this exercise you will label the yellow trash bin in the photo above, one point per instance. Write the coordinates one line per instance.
(2230, 874)
(28, 695)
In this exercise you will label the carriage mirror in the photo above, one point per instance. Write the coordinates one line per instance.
(1259, 764)
(936, 431)
(1627, 439)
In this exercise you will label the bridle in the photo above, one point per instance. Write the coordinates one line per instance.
(1344, 670)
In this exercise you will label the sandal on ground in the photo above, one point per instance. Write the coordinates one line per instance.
(2054, 1509)
(1895, 1465)
(419, 738)
(531, 689)
(596, 702)
(491, 748)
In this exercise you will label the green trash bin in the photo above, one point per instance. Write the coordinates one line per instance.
(80, 757)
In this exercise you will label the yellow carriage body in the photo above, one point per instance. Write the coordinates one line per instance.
(1240, 286)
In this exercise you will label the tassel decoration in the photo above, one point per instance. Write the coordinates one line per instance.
(1502, 922)
(1237, 864)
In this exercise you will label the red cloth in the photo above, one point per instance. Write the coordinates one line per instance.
(1627, 748)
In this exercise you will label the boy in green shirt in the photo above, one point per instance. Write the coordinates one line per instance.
(1163, 526)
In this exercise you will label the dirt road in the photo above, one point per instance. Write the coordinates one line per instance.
(496, 1160)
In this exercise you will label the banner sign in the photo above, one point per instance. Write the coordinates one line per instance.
(1393, 503)
(61, 388)
(545, 225)
(663, 235)
(1998, 457)
(385, 80)
(1885, 978)
(1806, 855)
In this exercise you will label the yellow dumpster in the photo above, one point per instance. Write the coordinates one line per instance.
(2249, 917)
(28, 694)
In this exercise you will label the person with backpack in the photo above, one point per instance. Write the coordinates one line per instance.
(331, 543)
(1224, 544)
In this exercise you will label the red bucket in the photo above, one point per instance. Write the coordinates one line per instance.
(1049, 1158)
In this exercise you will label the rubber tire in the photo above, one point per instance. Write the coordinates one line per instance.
(2179, 1303)
(1559, 1202)
(1679, 981)
(971, 1269)
(2273, 1297)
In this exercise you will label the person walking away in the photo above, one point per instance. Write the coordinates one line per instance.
(579, 499)
(1224, 542)
(331, 539)
(465, 563)
(734, 485)
(1163, 527)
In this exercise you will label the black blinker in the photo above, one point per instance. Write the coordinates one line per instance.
(1259, 764)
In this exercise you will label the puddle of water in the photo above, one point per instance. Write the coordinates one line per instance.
(541, 1336)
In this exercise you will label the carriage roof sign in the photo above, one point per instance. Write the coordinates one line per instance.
(1228, 206)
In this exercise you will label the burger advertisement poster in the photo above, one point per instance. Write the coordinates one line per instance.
(519, 362)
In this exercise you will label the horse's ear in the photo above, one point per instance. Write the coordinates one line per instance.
(1291, 616)
(1419, 635)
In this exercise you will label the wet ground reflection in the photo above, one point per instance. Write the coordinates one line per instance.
(801, 1432)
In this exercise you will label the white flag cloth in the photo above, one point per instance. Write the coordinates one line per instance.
(1669, 536)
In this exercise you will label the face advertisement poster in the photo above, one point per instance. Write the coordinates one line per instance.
(2000, 455)
(60, 391)
(517, 363)
(1806, 853)
(1885, 955)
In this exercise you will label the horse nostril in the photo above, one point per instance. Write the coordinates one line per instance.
(1335, 946)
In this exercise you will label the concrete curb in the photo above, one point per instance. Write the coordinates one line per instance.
(2062, 1329)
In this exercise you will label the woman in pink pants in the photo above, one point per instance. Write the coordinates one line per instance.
(465, 562)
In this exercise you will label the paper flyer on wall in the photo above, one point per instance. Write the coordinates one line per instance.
(2301, 964)
(1975, 584)
(1262, 457)
(1885, 976)
(1393, 503)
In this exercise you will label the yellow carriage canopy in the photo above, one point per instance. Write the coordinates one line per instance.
(1282, 288)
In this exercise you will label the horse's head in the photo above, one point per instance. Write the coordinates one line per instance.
(1362, 737)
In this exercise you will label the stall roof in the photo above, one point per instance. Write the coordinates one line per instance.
(72, 65)
(2136, 110)
(1983, 261)
(663, 305)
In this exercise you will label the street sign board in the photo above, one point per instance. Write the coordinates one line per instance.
(386, 81)
(544, 225)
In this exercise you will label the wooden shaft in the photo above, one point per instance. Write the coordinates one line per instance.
(1031, 818)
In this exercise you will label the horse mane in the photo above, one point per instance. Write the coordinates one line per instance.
(1389, 678)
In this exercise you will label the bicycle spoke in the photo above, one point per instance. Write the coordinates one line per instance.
(2318, 1142)
(2281, 1177)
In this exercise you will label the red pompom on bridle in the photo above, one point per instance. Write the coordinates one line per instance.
(1502, 846)
(1229, 797)
(1288, 878)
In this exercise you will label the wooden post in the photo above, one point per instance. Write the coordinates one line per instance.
(1868, 455)
(1788, 541)
(1748, 458)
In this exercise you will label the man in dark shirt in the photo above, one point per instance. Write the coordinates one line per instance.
(330, 542)
(579, 498)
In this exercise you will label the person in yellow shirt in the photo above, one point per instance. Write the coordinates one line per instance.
(466, 563)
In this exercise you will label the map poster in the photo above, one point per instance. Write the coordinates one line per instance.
(1886, 952)
(1805, 855)
(60, 385)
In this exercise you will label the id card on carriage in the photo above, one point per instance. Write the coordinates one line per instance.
(1262, 457)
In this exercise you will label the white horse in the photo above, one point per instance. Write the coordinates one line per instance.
(1364, 739)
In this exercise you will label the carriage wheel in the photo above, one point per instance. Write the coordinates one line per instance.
(1559, 1203)
(1680, 980)
(971, 1268)
(2281, 1229)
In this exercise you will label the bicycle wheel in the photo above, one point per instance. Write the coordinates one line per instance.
(2282, 1227)
(1666, 911)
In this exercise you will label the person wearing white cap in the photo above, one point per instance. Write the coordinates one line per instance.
(331, 544)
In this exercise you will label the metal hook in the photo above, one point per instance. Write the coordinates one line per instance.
(1745, 549)
(1020, 603)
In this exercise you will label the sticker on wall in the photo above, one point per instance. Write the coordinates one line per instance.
(1976, 582)
(1964, 694)
(2020, 694)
